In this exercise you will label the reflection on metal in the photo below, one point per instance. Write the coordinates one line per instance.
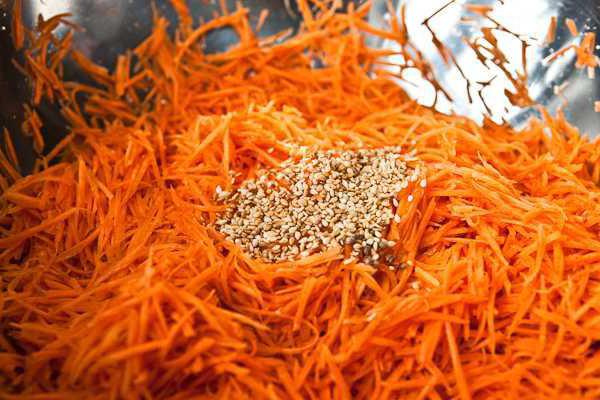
(528, 18)
(111, 27)
(46, 9)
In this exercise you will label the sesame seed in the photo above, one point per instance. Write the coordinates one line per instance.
(330, 198)
(371, 315)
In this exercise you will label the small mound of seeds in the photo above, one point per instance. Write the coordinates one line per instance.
(323, 199)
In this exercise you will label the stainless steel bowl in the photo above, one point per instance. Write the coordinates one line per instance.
(528, 18)
(112, 26)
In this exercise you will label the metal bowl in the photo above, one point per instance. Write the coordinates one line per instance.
(112, 26)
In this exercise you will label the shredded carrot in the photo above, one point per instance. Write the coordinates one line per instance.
(572, 27)
(10, 149)
(17, 28)
(585, 52)
(551, 33)
(115, 283)
(481, 9)
(262, 18)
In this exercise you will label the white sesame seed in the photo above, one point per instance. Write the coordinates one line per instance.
(331, 198)
(371, 315)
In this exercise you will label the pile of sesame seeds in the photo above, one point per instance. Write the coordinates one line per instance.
(321, 200)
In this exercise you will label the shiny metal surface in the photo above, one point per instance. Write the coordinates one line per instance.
(110, 27)
(528, 18)
(113, 26)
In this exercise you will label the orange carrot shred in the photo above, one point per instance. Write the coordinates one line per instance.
(572, 27)
(10, 149)
(117, 284)
(551, 33)
(17, 28)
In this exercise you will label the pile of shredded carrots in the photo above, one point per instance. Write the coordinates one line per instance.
(115, 284)
(584, 51)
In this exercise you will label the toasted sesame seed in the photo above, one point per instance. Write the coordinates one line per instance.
(331, 198)
(371, 315)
